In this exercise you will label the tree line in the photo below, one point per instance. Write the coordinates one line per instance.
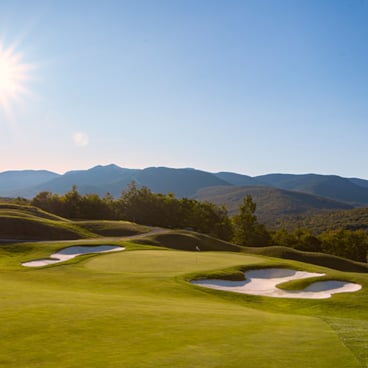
(142, 206)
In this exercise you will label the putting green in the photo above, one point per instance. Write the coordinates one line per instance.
(168, 261)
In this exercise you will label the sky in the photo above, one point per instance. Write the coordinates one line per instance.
(249, 86)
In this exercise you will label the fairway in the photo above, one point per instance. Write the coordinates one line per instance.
(137, 309)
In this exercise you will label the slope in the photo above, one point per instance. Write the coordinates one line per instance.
(14, 182)
(353, 219)
(271, 203)
(21, 222)
(329, 186)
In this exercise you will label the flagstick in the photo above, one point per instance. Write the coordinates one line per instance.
(197, 249)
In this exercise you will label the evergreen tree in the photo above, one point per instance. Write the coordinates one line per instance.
(247, 230)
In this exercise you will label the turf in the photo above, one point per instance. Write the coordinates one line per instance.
(23, 222)
(113, 228)
(136, 309)
(30, 223)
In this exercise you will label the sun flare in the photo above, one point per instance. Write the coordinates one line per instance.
(13, 77)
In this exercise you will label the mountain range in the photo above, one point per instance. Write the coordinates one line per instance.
(275, 194)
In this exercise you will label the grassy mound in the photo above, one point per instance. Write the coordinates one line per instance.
(23, 222)
(320, 259)
(25, 211)
(113, 228)
(188, 240)
(191, 241)
(30, 223)
(33, 229)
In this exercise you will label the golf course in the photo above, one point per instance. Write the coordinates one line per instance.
(137, 308)
(182, 184)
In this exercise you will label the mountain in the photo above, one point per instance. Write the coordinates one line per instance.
(184, 182)
(98, 180)
(12, 182)
(181, 182)
(114, 179)
(238, 179)
(361, 182)
(329, 186)
(272, 203)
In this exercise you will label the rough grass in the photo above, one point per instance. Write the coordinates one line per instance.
(40, 229)
(187, 240)
(321, 259)
(136, 309)
(17, 210)
(113, 228)
(24, 222)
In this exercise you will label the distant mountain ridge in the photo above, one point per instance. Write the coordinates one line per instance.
(18, 180)
(114, 179)
(272, 203)
(329, 186)
(186, 182)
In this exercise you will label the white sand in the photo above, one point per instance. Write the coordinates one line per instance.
(264, 282)
(71, 252)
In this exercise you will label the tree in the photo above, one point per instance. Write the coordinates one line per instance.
(345, 243)
(247, 230)
(49, 202)
(71, 202)
(284, 238)
(306, 241)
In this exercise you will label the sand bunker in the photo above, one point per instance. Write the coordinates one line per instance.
(264, 282)
(71, 252)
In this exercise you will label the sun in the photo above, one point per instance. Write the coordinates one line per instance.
(14, 75)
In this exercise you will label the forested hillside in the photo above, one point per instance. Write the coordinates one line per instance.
(272, 203)
(353, 219)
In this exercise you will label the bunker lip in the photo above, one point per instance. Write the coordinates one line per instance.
(72, 252)
(264, 282)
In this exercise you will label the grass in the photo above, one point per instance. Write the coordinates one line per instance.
(113, 228)
(25, 222)
(353, 333)
(30, 223)
(136, 309)
(187, 240)
(320, 259)
(17, 210)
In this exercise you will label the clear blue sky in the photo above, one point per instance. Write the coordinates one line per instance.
(251, 86)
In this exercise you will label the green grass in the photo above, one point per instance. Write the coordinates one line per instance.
(13, 227)
(320, 259)
(31, 223)
(113, 228)
(188, 240)
(23, 222)
(136, 309)
(17, 210)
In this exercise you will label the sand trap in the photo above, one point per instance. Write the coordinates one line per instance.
(264, 282)
(71, 252)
